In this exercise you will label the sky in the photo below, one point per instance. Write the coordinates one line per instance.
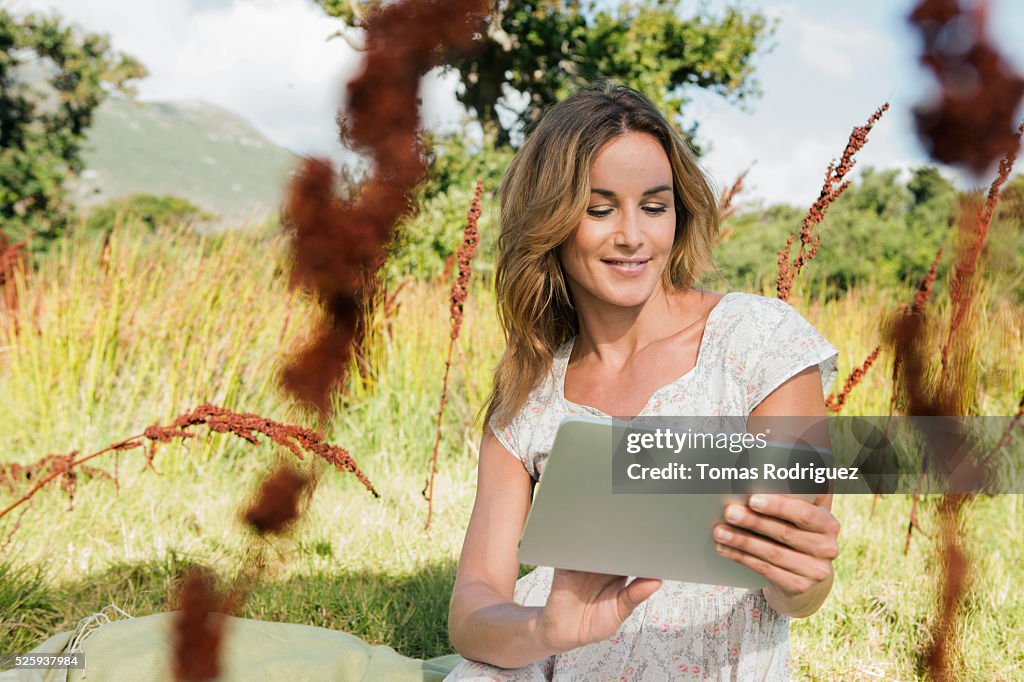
(832, 64)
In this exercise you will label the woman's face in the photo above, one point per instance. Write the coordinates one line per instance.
(621, 247)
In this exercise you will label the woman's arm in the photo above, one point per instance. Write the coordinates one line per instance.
(794, 542)
(484, 624)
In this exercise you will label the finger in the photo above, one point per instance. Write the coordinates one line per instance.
(824, 500)
(771, 552)
(821, 545)
(800, 513)
(788, 582)
(636, 592)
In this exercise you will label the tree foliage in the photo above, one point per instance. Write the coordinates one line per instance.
(545, 49)
(51, 80)
(879, 231)
(146, 210)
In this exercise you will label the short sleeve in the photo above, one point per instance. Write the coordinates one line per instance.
(514, 436)
(792, 345)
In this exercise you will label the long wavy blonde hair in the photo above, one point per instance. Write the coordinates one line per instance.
(543, 196)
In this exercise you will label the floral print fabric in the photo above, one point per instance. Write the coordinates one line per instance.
(684, 631)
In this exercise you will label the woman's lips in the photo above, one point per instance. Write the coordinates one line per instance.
(628, 268)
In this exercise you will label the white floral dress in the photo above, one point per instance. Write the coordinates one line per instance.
(684, 631)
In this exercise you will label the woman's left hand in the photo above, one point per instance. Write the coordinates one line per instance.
(788, 540)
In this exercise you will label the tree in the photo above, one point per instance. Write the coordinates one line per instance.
(544, 49)
(51, 81)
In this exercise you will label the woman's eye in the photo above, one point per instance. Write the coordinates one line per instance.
(649, 210)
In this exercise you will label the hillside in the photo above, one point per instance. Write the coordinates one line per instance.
(190, 148)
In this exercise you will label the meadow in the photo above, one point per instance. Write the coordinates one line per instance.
(111, 338)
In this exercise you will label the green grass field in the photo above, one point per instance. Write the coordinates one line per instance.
(107, 345)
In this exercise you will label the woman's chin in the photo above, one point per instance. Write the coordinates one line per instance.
(627, 297)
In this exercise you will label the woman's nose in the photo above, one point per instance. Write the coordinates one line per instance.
(628, 231)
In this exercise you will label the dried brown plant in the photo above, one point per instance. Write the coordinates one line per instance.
(336, 244)
(446, 272)
(907, 334)
(14, 476)
(296, 439)
(725, 206)
(954, 583)
(372, 298)
(917, 307)
(1004, 439)
(835, 403)
(277, 505)
(834, 185)
(975, 220)
(460, 290)
(12, 257)
(971, 120)
(198, 629)
(924, 288)
(392, 303)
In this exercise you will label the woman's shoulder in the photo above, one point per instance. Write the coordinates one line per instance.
(758, 305)
(751, 313)
(750, 322)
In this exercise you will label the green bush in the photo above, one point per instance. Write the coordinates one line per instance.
(147, 210)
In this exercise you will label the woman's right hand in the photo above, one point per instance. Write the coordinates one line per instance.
(585, 607)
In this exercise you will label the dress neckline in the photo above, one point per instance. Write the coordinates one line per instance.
(563, 363)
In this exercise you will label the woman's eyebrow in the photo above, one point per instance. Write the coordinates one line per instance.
(610, 194)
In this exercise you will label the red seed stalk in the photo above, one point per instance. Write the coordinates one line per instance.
(337, 245)
(907, 335)
(1018, 420)
(955, 577)
(836, 403)
(199, 627)
(460, 289)
(924, 288)
(198, 630)
(277, 504)
(13, 475)
(971, 119)
(296, 439)
(834, 186)
(963, 279)
(725, 205)
(12, 256)
(921, 297)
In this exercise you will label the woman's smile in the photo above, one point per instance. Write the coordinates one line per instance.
(627, 267)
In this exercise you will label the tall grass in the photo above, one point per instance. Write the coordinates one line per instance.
(181, 319)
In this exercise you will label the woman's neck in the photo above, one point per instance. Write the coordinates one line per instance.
(614, 333)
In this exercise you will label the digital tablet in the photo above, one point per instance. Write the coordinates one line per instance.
(577, 521)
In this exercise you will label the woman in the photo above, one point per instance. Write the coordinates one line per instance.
(607, 223)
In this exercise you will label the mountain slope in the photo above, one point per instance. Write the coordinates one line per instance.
(190, 148)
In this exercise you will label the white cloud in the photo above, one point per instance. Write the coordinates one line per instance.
(441, 109)
(266, 60)
(838, 51)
